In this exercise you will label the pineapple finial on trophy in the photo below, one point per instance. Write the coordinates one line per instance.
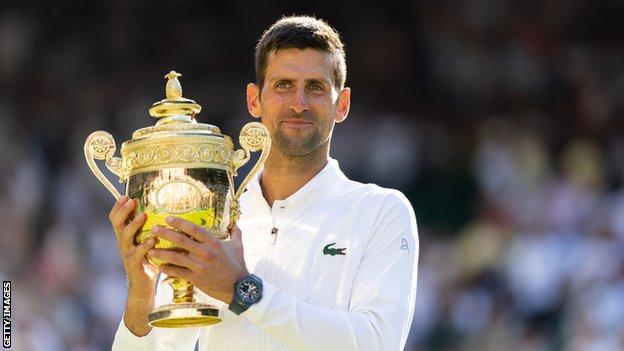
(174, 108)
(173, 89)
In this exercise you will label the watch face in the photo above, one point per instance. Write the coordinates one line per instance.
(248, 291)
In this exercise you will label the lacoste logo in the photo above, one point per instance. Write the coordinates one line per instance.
(327, 250)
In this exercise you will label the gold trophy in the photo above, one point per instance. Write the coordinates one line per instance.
(182, 168)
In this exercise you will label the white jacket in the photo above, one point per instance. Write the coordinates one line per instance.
(362, 300)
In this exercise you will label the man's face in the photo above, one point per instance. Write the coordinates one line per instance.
(299, 102)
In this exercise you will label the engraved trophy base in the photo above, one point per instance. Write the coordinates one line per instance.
(181, 315)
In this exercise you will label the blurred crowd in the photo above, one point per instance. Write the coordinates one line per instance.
(502, 121)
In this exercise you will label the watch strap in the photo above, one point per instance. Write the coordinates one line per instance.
(236, 308)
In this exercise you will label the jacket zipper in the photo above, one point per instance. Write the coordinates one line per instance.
(272, 240)
(273, 235)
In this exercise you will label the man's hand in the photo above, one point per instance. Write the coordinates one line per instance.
(212, 265)
(141, 274)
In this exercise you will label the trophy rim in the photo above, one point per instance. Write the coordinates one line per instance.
(167, 134)
(174, 128)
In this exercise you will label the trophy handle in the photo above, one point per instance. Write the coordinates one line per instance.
(101, 145)
(253, 137)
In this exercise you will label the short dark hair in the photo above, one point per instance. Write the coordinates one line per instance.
(301, 32)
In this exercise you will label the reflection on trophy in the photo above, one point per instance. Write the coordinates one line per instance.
(182, 168)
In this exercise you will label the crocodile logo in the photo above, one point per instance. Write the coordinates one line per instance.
(327, 250)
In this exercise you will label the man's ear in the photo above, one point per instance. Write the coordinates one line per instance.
(253, 99)
(344, 103)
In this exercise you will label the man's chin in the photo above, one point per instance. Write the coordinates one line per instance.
(296, 144)
(296, 152)
(295, 149)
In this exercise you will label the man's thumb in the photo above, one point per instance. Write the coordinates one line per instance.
(236, 234)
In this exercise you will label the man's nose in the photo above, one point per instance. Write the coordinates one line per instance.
(299, 101)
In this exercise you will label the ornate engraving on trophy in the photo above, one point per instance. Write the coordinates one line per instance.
(179, 195)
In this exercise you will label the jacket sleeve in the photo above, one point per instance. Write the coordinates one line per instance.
(158, 339)
(381, 303)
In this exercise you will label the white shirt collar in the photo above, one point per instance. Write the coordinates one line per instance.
(323, 182)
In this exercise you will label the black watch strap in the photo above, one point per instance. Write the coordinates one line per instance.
(236, 308)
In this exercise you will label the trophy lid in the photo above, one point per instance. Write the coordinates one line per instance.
(177, 142)
(175, 113)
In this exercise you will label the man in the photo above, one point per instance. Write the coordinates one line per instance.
(333, 261)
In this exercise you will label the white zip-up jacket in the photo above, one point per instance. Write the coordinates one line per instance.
(312, 300)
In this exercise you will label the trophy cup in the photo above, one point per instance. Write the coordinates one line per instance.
(182, 168)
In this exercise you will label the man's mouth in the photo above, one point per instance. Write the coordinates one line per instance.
(296, 123)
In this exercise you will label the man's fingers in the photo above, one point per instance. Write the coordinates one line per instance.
(117, 206)
(139, 252)
(195, 231)
(181, 240)
(175, 271)
(175, 257)
(127, 234)
(121, 216)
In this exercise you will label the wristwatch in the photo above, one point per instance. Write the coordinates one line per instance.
(247, 291)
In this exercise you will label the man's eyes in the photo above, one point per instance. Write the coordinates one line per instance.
(316, 87)
(311, 86)
(282, 85)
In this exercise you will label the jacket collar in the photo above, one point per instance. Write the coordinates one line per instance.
(321, 184)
